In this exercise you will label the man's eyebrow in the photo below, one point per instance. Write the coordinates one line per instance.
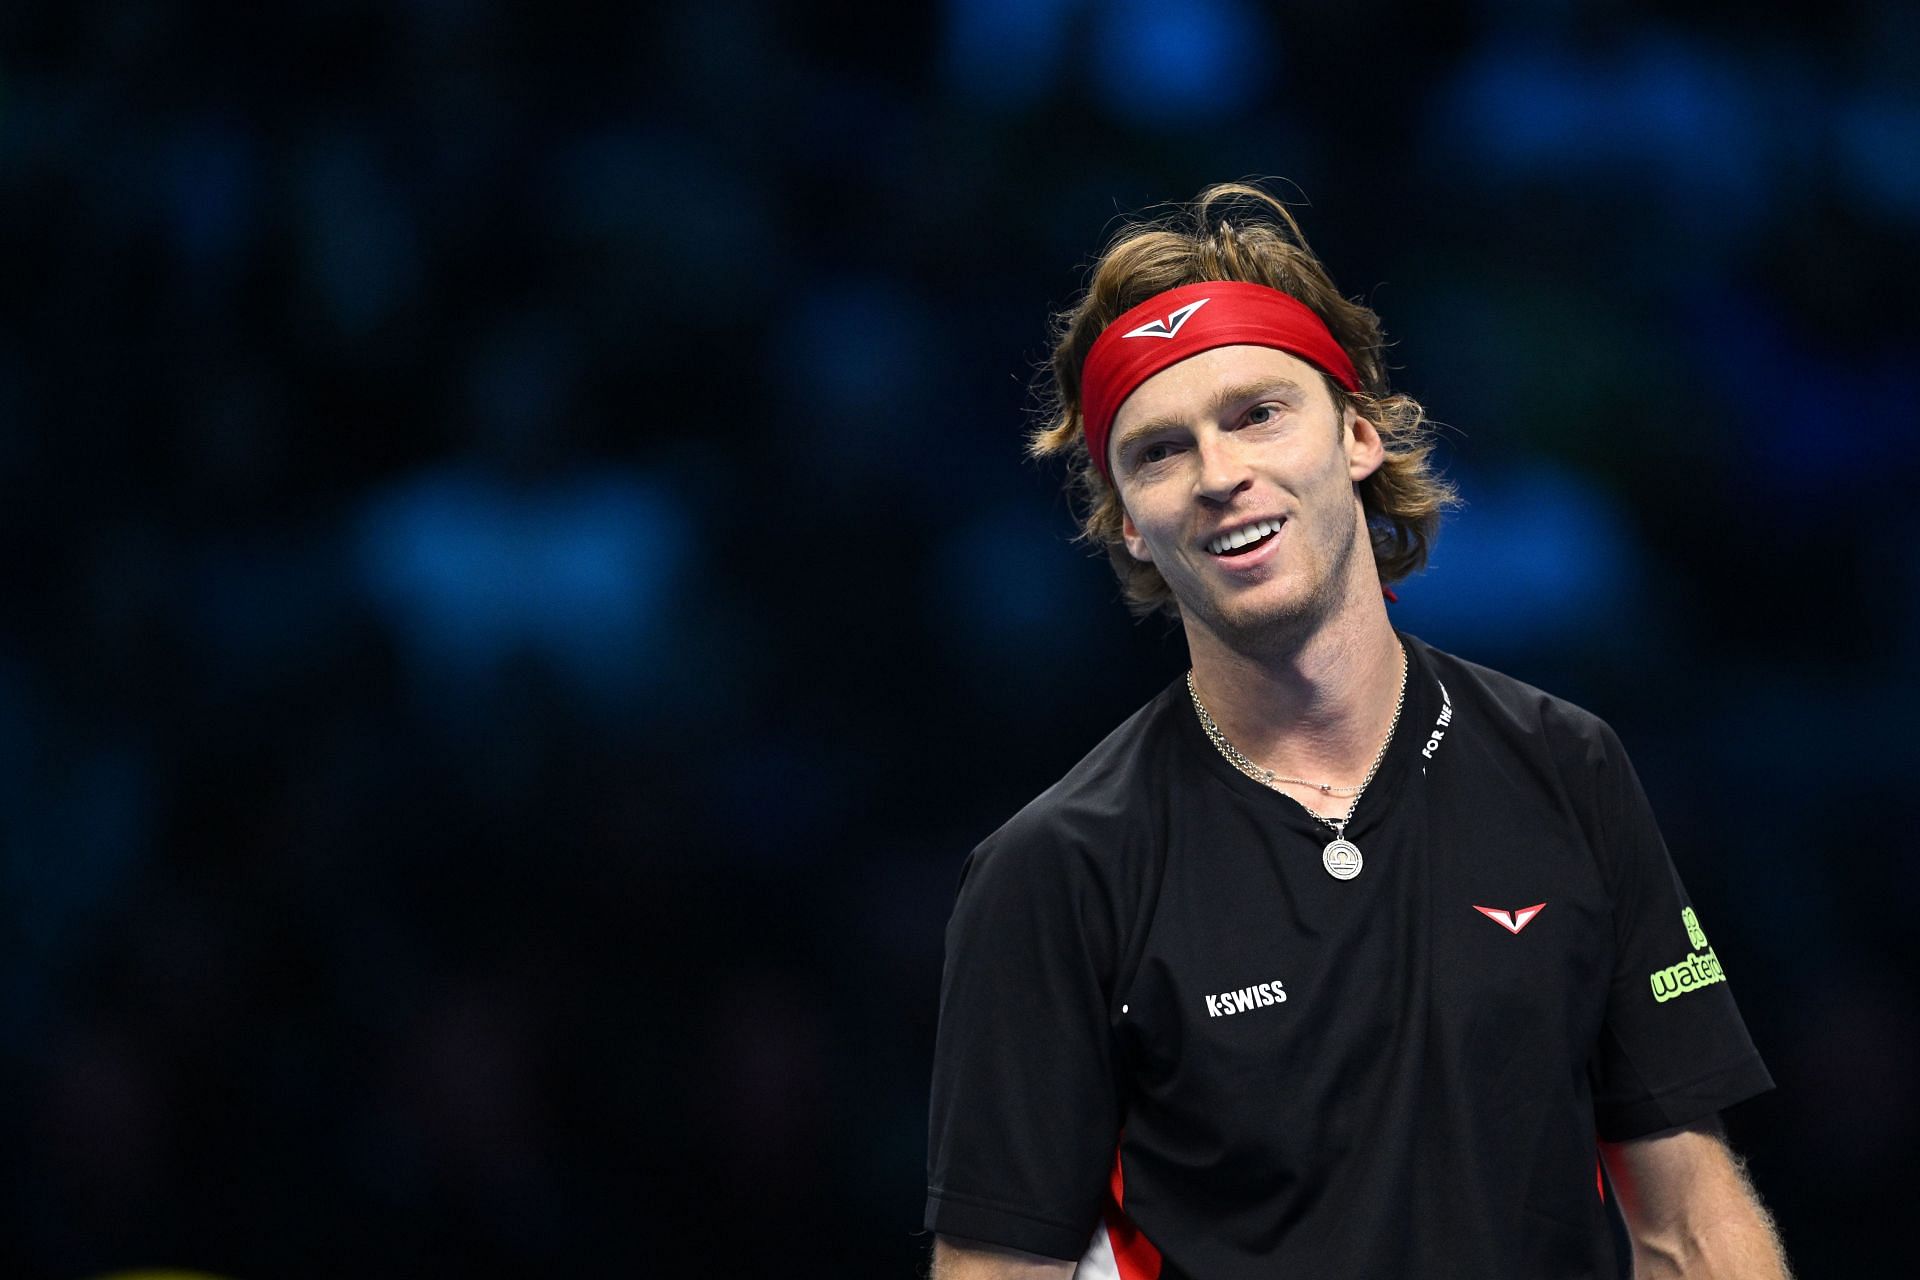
(1221, 399)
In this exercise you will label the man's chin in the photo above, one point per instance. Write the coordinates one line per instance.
(1255, 626)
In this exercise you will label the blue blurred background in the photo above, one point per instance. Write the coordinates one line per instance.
(521, 584)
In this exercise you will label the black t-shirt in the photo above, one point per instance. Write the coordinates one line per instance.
(1171, 1043)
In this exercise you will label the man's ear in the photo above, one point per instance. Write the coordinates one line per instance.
(1365, 450)
(1130, 534)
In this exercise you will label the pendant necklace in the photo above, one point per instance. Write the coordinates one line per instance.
(1341, 857)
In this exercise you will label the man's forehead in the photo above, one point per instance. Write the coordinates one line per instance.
(1201, 383)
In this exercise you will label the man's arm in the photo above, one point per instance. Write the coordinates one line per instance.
(966, 1260)
(1690, 1209)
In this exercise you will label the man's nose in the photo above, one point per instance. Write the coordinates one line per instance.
(1223, 472)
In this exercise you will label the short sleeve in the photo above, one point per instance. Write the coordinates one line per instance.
(1673, 1048)
(1024, 1115)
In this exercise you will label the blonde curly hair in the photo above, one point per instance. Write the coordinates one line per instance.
(1237, 231)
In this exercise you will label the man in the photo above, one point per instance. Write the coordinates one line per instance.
(1342, 957)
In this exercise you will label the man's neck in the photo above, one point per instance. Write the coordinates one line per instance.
(1319, 710)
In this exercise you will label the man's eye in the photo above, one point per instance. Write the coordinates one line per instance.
(1154, 453)
(1262, 413)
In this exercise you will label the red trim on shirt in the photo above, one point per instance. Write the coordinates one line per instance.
(1133, 1253)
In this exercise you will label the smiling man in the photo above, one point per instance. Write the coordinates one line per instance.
(1342, 956)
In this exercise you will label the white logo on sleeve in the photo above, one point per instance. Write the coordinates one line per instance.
(1170, 326)
(1228, 1003)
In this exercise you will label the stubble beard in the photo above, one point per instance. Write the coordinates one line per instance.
(1277, 631)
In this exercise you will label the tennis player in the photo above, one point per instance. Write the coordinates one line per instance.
(1343, 956)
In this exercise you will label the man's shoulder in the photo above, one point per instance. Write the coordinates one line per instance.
(1515, 710)
(1102, 797)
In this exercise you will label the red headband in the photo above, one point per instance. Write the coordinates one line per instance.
(1170, 326)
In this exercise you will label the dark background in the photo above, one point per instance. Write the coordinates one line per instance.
(521, 585)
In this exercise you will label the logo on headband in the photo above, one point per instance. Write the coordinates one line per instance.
(1171, 325)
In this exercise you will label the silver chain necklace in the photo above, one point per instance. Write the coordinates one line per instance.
(1341, 857)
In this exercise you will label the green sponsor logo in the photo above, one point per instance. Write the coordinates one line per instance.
(1701, 969)
(1695, 934)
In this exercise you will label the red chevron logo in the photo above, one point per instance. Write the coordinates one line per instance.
(1512, 921)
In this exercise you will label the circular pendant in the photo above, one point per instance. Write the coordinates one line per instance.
(1342, 859)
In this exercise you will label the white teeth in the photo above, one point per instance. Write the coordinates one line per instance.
(1241, 537)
